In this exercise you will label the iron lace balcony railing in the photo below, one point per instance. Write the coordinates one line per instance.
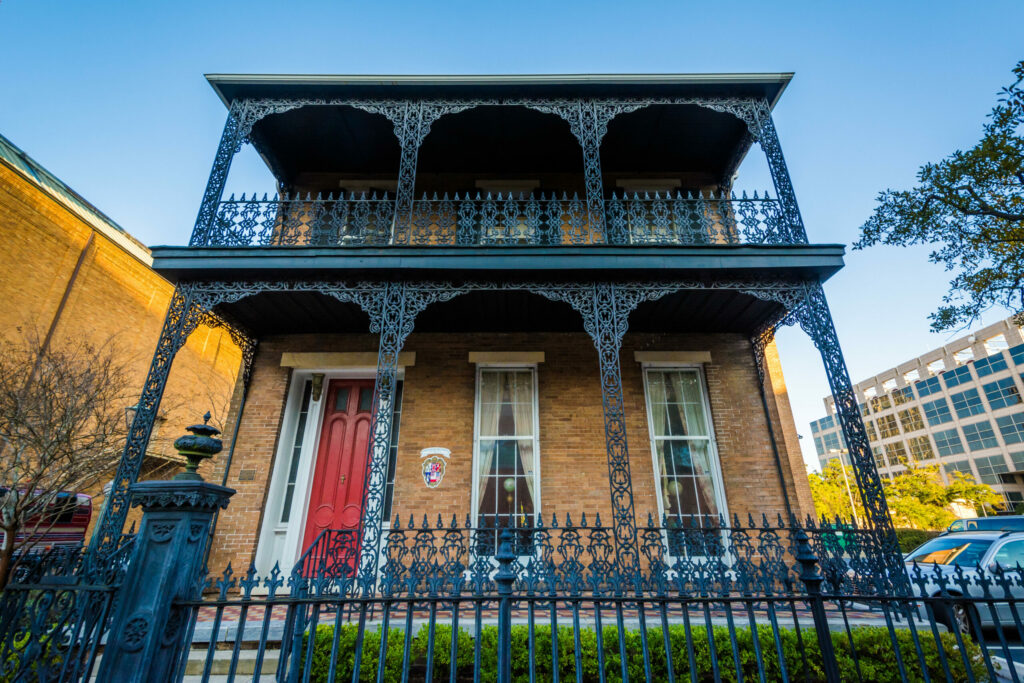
(500, 220)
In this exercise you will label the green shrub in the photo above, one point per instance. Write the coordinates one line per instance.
(873, 646)
(911, 538)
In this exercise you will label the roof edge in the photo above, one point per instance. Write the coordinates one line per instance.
(216, 80)
(56, 189)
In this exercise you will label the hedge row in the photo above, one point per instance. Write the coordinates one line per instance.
(873, 647)
(911, 538)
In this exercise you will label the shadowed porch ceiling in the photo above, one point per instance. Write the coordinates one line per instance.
(278, 313)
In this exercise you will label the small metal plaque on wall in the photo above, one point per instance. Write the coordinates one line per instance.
(434, 462)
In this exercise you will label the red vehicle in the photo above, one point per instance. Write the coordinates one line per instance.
(65, 526)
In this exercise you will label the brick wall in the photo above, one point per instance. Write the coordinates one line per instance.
(438, 411)
(115, 298)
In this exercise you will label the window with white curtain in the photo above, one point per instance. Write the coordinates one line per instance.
(506, 484)
(685, 461)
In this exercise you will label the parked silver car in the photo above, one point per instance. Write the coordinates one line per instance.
(1000, 523)
(976, 564)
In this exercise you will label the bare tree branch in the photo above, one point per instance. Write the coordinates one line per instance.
(62, 423)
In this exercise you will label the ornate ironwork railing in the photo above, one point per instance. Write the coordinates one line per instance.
(500, 220)
(55, 611)
(746, 600)
(702, 556)
(713, 601)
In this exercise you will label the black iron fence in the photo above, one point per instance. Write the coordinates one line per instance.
(55, 611)
(500, 220)
(757, 600)
(749, 600)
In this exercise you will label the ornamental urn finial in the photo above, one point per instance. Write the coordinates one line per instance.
(196, 447)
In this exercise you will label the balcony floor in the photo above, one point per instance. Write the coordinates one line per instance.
(817, 262)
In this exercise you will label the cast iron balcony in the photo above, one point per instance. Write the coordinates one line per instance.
(500, 220)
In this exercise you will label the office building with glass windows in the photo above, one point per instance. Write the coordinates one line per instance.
(958, 406)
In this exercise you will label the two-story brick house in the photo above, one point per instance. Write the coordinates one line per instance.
(430, 279)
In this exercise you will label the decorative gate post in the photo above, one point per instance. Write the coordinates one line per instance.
(146, 635)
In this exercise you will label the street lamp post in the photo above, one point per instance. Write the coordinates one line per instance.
(846, 480)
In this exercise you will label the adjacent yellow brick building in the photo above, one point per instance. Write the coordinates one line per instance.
(71, 273)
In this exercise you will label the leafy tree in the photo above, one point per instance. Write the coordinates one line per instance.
(917, 497)
(971, 206)
(829, 492)
(963, 487)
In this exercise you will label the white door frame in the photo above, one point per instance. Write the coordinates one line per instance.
(268, 550)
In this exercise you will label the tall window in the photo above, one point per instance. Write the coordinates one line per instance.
(921, 448)
(937, 412)
(506, 482)
(911, 419)
(927, 387)
(293, 462)
(902, 395)
(887, 426)
(896, 453)
(955, 378)
(686, 465)
(967, 403)
(1011, 427)
(1002, 393)
(948, 442)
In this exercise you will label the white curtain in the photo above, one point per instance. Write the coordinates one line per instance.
(524, 426)
(683, 388)
(701, 460)
(506, 410)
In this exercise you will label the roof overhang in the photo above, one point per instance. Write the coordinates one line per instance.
(336, 141)
(768, 86)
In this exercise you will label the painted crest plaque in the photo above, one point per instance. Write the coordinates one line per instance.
(433, 465)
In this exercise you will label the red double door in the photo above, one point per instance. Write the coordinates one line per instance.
(336, 496)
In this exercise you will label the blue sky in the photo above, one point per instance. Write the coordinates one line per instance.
(110, 97)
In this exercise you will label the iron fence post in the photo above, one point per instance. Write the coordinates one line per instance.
(812, 580)
(146, 635)
(505, 579)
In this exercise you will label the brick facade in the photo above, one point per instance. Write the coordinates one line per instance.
(438, 409)
(115, 297)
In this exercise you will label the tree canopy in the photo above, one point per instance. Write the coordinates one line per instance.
(917, 496)
(970, 205)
